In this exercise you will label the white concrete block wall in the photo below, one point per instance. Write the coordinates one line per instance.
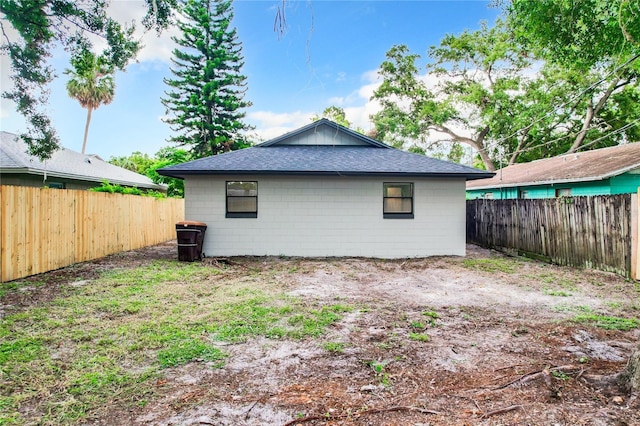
(330, 216)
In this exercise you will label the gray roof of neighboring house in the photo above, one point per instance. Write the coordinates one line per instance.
(594, 165)
(365, 157)
(66, 164)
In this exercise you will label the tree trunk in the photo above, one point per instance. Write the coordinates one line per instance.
(488, 162)
(477, 143)
(631, 375)
(592, 112)
(585, 127)
(628, 380)
(482, 150)
(86, 129)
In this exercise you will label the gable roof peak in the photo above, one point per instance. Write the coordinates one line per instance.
(323, 132)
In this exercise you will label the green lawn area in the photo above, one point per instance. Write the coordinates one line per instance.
(105, 343)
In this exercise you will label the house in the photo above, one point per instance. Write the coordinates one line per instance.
(613, 170)
(65, 169)
(325, 190)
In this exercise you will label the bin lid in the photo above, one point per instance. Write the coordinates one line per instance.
(190, 223)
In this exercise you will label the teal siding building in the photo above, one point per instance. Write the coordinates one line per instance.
(606, 171)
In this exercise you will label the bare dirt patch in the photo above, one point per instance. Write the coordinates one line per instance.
(438, 341)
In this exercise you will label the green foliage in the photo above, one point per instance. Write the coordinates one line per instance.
(136, 162)
(205, 97)
(479, 74)
(520, 90)
(582, 42)
(335, 114)
(148, 166)
(119, 189)
(560, 375)
(40, 26)
(380, 370)
(91, 82)
(580, 34)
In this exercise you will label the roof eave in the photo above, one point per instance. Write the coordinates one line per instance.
(183, 174)
(546, 182)
(560, 181)
(97, 180)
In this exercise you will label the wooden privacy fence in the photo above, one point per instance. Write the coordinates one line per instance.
(45, 229)
(595, 232)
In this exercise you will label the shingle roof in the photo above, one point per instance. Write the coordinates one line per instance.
(67, 164)
(592, 165)
(360, 159)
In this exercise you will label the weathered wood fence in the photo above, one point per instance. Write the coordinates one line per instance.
(45, 229)
(595, 232)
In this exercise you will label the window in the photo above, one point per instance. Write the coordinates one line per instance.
(56, 185)
(523, 193)
(563, 192)
(242, 199)
(397, 200)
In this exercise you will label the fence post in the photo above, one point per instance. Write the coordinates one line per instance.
(635, 236)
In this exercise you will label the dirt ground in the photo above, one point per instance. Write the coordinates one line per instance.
(502, 348)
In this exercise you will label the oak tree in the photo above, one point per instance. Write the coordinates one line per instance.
(478, 74)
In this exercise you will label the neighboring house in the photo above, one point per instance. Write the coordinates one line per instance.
(325, 190)
(614, 170)
(65, 169)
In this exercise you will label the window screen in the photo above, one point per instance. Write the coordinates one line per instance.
(398, 200)
(242, 199)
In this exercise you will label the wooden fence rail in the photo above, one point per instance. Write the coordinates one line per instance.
(45, 229)
(595, 232)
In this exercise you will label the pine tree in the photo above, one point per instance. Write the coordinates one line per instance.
(205, 100)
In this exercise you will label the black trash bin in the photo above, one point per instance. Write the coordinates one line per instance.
(190, 236)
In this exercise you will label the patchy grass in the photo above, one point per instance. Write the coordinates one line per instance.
(105, 343)
(558, 293)
(555, 280)
(607, 322)
(335, 347)
(493, 264)
(18, 286)
(432, 316)
(419, 337)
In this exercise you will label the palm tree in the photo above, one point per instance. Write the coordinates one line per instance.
(91, 83)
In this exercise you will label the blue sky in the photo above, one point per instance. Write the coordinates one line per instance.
(328, 56)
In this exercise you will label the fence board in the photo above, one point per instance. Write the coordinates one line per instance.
(635, 236)
(45, 229)
(594, 232)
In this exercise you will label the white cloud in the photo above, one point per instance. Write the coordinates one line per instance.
(155, 47)
(270, 125)
(357, 105)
